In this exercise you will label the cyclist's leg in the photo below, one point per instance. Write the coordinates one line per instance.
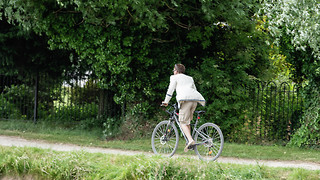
(185, 116)
(186, 131)
(193, 108)
(184, 113)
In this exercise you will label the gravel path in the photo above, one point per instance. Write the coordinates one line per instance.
(19, 142)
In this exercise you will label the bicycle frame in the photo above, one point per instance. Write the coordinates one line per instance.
(208, 136)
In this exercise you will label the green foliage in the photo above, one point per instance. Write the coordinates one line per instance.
(78, 112)
(111, 127)
(224, 77)
(308, 135)
(17, 93)
(272, 115)
(131, 46)
(128, 127)
(25, 54)
(297, 19)
(8, 110)
(16, 99)
(294, 25)
(89, 93)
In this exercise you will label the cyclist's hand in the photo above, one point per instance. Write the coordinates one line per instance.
(164, 104)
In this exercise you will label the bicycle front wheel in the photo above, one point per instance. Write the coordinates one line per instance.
(210, 142)
(165, 139)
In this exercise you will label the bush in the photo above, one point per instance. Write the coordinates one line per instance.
(8, 110)
(129, 127)
(18, 99)
(111, 127)
(85, 95)
(75, 112)
(225, 94)
(308, 135)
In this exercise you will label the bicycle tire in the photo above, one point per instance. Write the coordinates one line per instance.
(163, 143)
(210, 142)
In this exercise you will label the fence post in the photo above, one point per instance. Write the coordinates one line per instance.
(102, 103)
(36, 87)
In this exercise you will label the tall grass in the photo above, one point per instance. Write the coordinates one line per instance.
(48, 164)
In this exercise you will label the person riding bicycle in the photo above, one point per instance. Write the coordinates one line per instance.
(187, 97)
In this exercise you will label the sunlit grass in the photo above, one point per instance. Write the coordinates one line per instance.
(59, 134)
(47, 164)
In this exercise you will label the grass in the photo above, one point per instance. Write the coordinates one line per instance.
(59, 134)
(35, 163)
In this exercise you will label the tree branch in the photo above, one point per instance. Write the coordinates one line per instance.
(180, 24)
(162, 41)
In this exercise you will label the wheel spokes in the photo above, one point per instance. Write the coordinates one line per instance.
(165, 139)
(211, 142)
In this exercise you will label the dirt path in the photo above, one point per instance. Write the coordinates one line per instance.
(19, 142)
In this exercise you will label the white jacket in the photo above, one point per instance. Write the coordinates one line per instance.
(185, 89)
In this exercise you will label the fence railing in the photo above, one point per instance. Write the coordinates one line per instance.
(275, 111)
(43, 98)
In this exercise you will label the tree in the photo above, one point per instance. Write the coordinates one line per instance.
(295, 26)
(26, 54)
(133, 45)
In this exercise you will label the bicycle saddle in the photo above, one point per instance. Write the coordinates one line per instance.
(200, 112)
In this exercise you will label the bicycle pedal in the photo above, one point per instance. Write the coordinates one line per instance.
(191, 147)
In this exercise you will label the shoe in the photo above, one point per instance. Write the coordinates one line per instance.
(186, 149)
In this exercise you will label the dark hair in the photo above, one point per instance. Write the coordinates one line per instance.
(180, 68)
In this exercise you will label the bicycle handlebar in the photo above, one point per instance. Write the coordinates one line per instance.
(171, 105)
(163, 104)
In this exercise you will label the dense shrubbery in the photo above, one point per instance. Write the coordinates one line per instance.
(75, 112)
(300, 44)
(8, 110)
(308, 134)
(272, 114)
(18, 99)
(133, 48)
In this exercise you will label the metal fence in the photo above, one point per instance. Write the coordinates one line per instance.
(44, 98)
(274, 112)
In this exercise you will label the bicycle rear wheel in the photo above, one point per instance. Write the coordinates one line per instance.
(210, 140)
(165, 139)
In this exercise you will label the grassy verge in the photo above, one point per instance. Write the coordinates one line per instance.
(55, 133)
(37, 163)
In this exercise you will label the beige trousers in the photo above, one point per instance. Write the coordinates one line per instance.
(186, 111)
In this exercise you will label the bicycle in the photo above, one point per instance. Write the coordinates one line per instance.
(208, 137)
